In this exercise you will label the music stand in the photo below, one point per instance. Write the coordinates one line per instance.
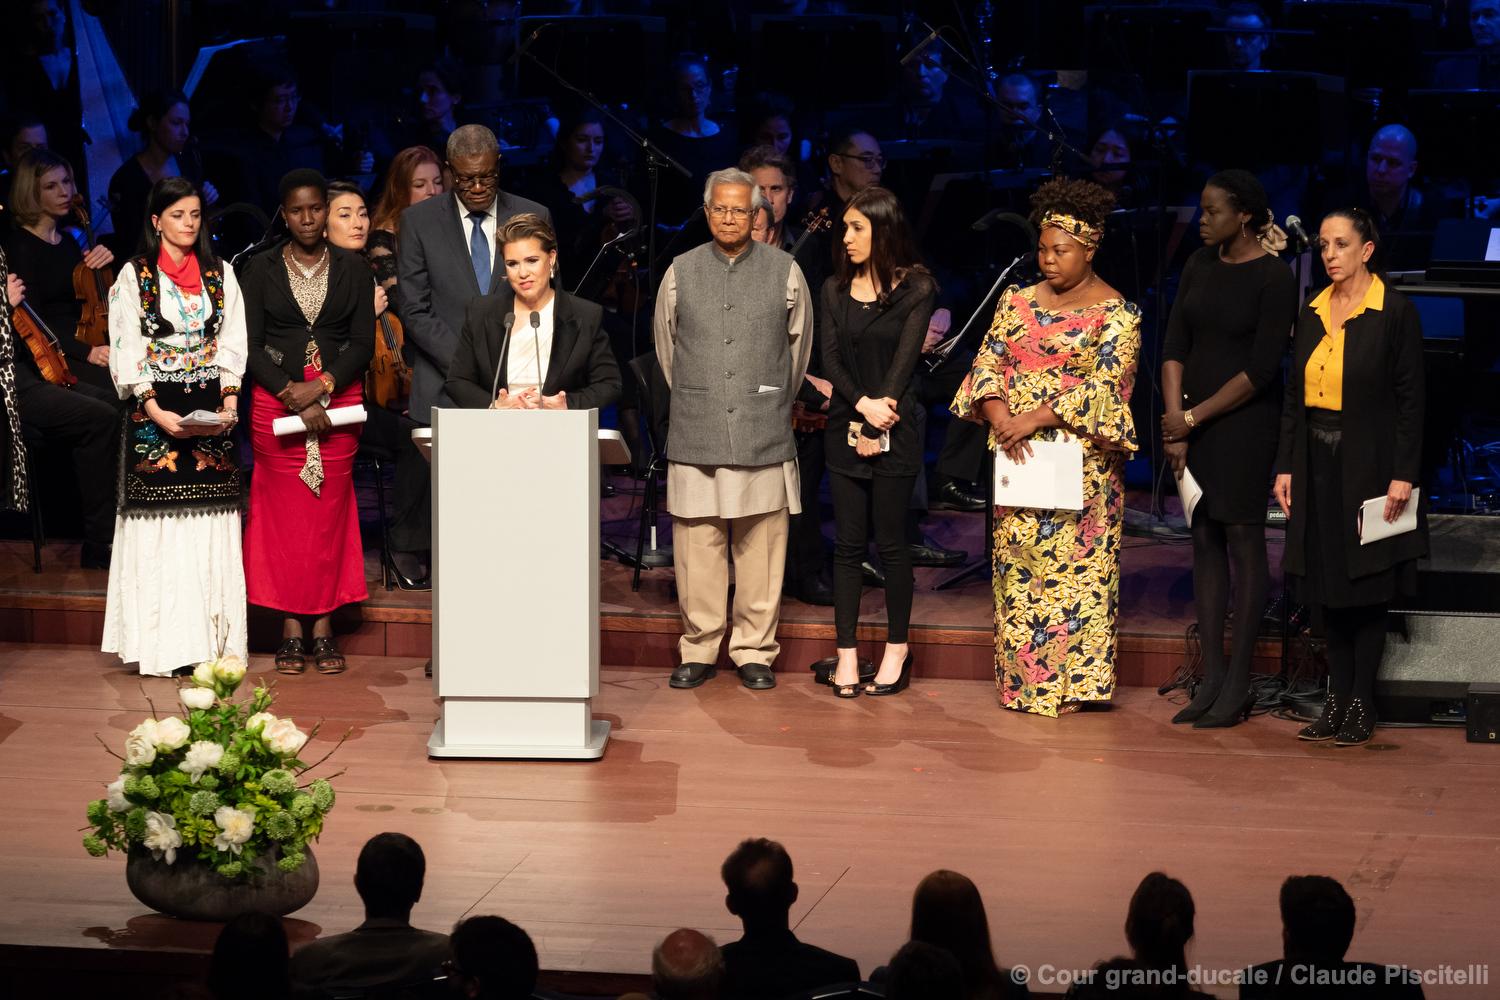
(1309, 106)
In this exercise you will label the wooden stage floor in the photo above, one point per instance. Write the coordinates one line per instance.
(1056, 820)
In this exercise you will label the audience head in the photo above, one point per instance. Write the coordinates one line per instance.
(1017, 93)
(687, 965)
(389, 873)
(1317, 919)
(925, 76)
(758, 876)
(1246, 40)
(730, 198)
(770, 118)
(1069, 216)
(23, 133)
(348, 216)
(493, 959)
(304, 206)
(275, 98)
(415, 174)
(877, 241)
(163, 119)
(923, 971)
(774, 175)
(1118, 978)
(250, 959)
(1391, 162)
(1159, 924)
(42, 186)
(1111, 146)
(1347, 240)
(174, 216)
(1484, 24)
(529, 248)
(692, 90)
(1234, 209)
(474, 158)
(580, 142)
(854, 162)
(947, 911)
(440, 90)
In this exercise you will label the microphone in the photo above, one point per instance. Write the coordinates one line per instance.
(536, 345)
(510, 321)
(922, 46)
(521, 49)
(1294, 226)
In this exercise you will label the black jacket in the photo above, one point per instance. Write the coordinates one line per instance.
(1383, 399)
(581, 363)
(770, 967)
(278, 334)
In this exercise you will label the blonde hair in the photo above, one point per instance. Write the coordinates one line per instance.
(26, 189)
(526, 226)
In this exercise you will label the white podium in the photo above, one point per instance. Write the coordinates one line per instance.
(515, 583)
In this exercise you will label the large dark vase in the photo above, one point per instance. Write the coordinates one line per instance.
(191, 890)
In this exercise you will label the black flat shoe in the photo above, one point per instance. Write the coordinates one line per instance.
(1327, 725)
(757, 677)
(823, 670)
(691, 675)
(1221, 720)
(951, 496)
(1358, 725)
(1200, 704)
(876, 690)
(873, 577)
(929, 553)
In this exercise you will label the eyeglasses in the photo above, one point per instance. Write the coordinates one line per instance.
(737, 214)
(485, 180)
(872, 161)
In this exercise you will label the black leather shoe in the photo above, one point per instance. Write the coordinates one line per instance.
(951, 496)
(873, 577)
(823, 670)
(812, 590)
(757, 677)
(929, 553)
(1358, 725)
(690, 675)
(95, 555)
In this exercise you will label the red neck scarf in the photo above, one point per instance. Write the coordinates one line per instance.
(186, 275)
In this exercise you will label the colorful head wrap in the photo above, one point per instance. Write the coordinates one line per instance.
(1081, 231)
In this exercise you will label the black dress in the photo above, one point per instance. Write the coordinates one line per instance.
(47, 270)
(1227, 319)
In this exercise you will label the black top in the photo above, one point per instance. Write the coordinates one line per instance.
(1227, 319)
(278, 333)
(129, 191)
(678, 196)
(871, 350)
(769, 967)
(47, 270)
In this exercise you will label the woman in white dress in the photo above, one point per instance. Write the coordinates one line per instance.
(177, 346)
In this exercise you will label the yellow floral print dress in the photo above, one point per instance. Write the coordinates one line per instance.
(1057, 572)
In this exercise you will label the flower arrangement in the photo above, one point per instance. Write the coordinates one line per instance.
(222, 785)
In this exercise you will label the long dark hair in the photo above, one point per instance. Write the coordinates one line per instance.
(947, 911)
(164, 194)
(893, 249)
(1159, 925)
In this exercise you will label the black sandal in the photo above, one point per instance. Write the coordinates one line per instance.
(326, 655)
(291, 656)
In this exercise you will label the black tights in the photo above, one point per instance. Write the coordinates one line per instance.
(1215, 546)
(1356, 643)
(859, 504)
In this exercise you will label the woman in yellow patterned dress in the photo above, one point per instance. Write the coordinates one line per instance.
(1059, 359)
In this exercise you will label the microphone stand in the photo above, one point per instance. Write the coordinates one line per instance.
(942, 351)
(510, 321)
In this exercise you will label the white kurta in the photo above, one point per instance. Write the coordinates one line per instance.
(176, 582)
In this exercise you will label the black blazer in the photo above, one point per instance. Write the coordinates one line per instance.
(1383, 400)
(581, 363)
(278, 334)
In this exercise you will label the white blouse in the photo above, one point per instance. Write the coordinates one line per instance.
(139, 356)
(530, 352)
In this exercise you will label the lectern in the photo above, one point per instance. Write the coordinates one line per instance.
(515, 583)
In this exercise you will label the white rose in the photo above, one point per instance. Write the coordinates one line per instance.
(114, 795)
(230, 670)
(283, 736)
(203, 674)
(201, 756)
(235, 827)
(196, 697)
(257, 720)
(171, 733)
(162, 838)
(140, 744)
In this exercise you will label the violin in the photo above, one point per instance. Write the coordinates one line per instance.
(43, 345)
(91, 286)
(388, 382)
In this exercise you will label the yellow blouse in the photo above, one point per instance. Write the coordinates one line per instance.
(1323, 382)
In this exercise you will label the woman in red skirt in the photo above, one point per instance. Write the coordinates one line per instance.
(309, 309)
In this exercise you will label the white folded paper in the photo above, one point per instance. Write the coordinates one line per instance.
(339, 416)
(1189, 492)
(1373, 526)
(202, 418)
(1051, 479)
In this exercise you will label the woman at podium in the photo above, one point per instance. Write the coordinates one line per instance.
(556, 353)
(1060, 357)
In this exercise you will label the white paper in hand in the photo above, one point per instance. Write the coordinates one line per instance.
(1189, 492)
(1051, 479)
(339, 416)
(207, 419)
(1372, 525)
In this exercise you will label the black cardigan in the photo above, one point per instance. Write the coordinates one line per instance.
(278, 334)
(1383, 399)
(581, 363)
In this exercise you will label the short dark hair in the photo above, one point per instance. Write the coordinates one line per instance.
(923, 971)
(498, 954)
(156, 104)
(1160, 922)
(164, 194)
(338, 187)
(301, 177)
(1317, 918)
(759, 877)
(766, 156)
(389, 874)
(450, 73)
(267, 76)
(841, 142)
(1246, 194)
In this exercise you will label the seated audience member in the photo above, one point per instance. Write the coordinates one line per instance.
(687, 965)
(386, 948)
(1317, 924)
(922, 971)
(1159, 926)
(769, 962)
(1119, 978)
(1246, 37)
(947, 911)
(250, 960)
(1480, 66)
(491, 959)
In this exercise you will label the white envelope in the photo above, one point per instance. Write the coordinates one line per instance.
(1371, 522)
(1189, 492)
(339, 416)
(1051, 479)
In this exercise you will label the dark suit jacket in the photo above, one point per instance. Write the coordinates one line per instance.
(376, 952)
(1273, 981)
(581, 363)
(1383, 400)
(437, 282)
(776, 966)
(278, 333)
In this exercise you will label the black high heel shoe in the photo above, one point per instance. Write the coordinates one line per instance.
(875, 690)
(394, 574)
(1241, 712)
(1327, 725)
(1200, 704)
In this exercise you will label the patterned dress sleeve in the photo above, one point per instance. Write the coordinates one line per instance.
(1096, 385)
(127, 343)
(987, 378)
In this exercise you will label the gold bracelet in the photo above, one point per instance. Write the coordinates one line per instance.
(1187, 418)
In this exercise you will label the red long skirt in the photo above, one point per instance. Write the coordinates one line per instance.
(302, 552)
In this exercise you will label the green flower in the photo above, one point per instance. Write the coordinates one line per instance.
(203, 803)
(95, 846)
(291, 862)
(322, 795)
(278, 781)
(230, 762)
(233, 869)
(303, 806)
(142, 787)
(135, 824)
(208, 782)
(98, 812)
(279, 825)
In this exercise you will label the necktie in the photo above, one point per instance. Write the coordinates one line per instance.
(479, 250)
